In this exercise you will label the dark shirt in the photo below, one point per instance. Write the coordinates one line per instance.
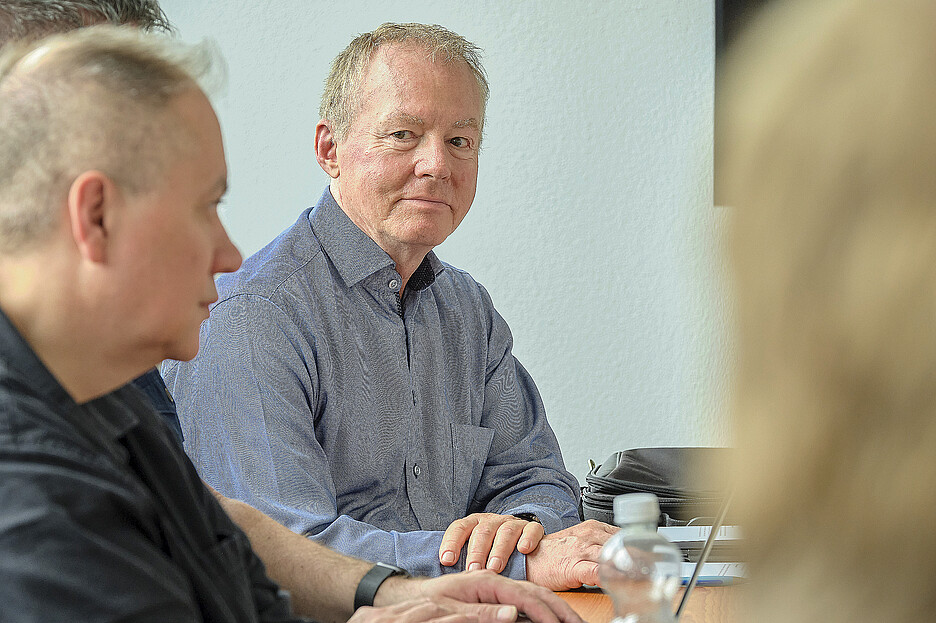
(152, 384)
(102, 516)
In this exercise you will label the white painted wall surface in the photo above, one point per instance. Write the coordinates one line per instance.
(592, 228)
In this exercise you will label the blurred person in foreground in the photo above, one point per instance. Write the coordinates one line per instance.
(111, 172)
(827, 157)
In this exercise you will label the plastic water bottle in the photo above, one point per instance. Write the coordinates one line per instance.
(639, 569)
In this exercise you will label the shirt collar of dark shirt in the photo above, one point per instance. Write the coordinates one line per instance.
(20, 365)
(353, 252)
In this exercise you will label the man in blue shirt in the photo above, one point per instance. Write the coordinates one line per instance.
(357, 389)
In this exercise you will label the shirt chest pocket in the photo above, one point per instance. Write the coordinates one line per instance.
(470, 448)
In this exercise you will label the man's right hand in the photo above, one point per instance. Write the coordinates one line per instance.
(413, 611)
(569, 558)
(482, 595)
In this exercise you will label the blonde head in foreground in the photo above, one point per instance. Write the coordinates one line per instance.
(827, 156)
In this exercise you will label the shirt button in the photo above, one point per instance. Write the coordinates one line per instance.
(394, 285)
(416, 471)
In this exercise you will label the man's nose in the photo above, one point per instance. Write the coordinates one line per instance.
(432, 159)
(227, 257)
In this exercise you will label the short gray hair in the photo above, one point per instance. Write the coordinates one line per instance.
(31, 19)
(92, 99)
(342, 87)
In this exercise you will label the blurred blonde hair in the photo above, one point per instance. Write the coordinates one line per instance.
(826, 151)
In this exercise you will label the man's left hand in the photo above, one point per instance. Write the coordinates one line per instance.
(569, 558)
(491, 540)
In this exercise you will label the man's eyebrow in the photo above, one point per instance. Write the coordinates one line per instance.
(402, 117)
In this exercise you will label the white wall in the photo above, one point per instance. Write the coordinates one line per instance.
(593, 227)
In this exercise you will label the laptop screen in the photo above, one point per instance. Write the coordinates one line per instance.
(706, 550)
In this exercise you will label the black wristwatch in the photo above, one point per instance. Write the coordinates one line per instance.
(528, 517)
(367, 588)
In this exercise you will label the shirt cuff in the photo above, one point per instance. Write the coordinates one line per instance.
(516, 566)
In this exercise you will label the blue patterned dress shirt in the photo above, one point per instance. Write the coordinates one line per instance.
(366, 422)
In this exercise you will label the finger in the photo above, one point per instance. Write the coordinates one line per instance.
(505, 540)
(428, 617)
(586, 572)
(486, 587)
(454, 539)
(480, 541)
(530, 537)
(490, 613)
(413, 611)
(437, 612)
(539, 604)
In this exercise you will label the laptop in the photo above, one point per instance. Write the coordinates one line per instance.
(706, 550)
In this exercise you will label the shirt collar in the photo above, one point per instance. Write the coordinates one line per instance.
(353, 253)
(17, 359)
(425, 274)
(19, 362)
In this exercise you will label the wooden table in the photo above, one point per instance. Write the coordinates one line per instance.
(707, 604)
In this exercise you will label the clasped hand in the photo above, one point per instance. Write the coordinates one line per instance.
(560, 561)
(491, 540)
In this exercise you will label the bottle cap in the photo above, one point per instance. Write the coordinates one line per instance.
(636, 508)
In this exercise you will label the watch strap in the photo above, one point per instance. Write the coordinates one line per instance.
(367, 587)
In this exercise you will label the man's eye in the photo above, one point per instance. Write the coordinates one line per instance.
(460, 141)
(402, 135)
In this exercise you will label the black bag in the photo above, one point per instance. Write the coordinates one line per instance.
(673, 474)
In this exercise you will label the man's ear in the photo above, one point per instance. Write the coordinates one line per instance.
(90, 197)
(326, 148)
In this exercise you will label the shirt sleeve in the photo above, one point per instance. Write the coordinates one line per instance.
(248, 406)
(524, 472)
